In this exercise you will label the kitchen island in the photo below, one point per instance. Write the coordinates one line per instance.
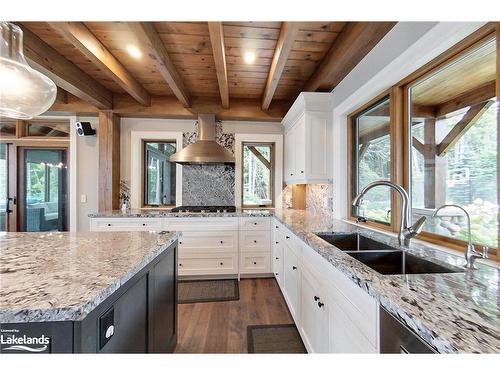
(88, 292)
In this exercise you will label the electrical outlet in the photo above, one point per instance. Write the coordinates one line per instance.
(83, 198)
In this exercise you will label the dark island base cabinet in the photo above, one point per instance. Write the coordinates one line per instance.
(140, 317)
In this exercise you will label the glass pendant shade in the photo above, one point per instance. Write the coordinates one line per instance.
(24, 92)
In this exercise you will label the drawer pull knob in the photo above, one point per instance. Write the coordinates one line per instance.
(109, 225)
(143, 224)
(277, 274)
(254, 262)
(301, 171)
(294, 268)
(320, 304)
(316, 298)
(277, 242)
(277, 227)
(254, 223)
(222, 242)
(254, 241)
(180, 242)
(277, 258)
(180, 264)
(287, 237)
(221, 263)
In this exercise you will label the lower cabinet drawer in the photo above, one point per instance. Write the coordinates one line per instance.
(196, 242)
(208, 265)
(258, 240)
(255, 263)
(124, 225)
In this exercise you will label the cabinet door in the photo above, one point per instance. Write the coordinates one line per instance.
(299, 131)
(162, 290)
(289, 156)
(345, 337)
(314, 317)
(130, 321)
(277, 262)
(291, 274)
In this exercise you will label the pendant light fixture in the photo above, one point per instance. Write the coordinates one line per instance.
(24, 92)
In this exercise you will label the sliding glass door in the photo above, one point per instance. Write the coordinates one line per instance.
(4, 188)
(44, 189)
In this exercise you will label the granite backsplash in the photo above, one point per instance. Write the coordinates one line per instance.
(209, 184)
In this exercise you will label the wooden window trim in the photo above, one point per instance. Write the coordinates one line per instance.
(273, 162)
(392, 226)
(143, 179)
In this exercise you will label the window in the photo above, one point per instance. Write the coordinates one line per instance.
(371, 160)
(258, 175)
(453, 156)
(159, 173)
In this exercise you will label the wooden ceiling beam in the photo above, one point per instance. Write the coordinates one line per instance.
(352, 45)
(477, 95)
(169, 107)
(158, 55)
(217, 40)
(458, 131)
(82, 38)
(288, 33)
(63, 72)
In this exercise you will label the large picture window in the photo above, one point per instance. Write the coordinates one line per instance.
(454, 146)
(159, 173)
(258, 175)
(371, 159)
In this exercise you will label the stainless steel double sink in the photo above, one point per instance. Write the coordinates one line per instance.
(383, 258)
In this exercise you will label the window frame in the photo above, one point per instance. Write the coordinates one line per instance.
(401, 132)
(144, 172)
(456, 52)
(273, 168)
(395, 151)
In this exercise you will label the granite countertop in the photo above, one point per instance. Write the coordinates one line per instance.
(160, 213)
(454, 312)
(63, 276)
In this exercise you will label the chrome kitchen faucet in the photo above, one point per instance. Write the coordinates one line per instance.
(406, 232)
(472, 254)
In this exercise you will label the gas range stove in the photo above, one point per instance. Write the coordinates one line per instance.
(204, 209)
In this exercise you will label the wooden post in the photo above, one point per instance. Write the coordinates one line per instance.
(434, 168)
(109, 161)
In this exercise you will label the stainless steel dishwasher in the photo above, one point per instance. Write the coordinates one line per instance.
(395, 337)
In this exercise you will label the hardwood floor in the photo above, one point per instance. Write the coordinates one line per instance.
(221, 327)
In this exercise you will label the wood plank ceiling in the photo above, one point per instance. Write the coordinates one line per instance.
(179, 61)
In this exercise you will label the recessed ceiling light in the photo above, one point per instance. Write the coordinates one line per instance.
(249, 57)
(134, 51)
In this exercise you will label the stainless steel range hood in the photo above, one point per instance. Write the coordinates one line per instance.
(206, 150)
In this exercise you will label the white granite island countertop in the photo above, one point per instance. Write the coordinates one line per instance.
(63, 276)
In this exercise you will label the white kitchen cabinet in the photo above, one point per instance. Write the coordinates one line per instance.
(98, 224)
(314, 313)
(291, 281)
(255, 245)
(331, 312)
(308, 143)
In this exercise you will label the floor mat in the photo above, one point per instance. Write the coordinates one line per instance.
(192, 291)
(276, 338)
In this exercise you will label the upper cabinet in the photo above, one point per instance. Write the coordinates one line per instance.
(308, 139)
